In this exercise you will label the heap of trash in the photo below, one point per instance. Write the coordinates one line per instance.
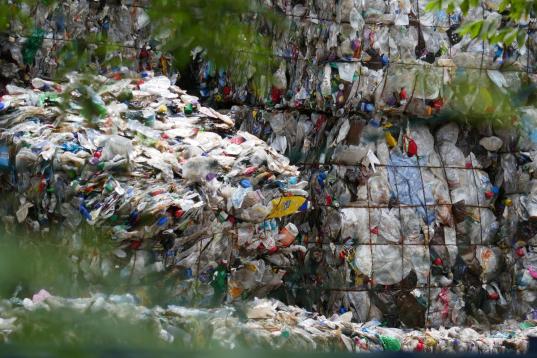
(57, 26)
(368, 57)
(168, 181)
(415, 223)
(260, 324)
(379, 58)
(391, 215)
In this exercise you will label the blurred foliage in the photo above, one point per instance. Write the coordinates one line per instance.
(80, 263)
(30, 262)
(26, 267)
(223, 31)
(55, 261)
(475, 99)
(73, 329)
(82, 55)
(15, 11)
(510, 28)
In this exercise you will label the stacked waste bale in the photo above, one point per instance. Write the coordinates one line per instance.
(334, 56)
(414, 223)
(372, 57)
(72, 26)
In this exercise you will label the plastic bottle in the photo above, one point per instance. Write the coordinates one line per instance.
(41, 84)
(116, 146)
(367, 107)
(138, 127)
(287, 235)
(189, 109)
(4, 157)
(240, 193)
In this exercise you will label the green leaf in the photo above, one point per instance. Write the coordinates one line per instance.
(521, 38)
(510, 37)
(434, 5)
(465, 6)
(487, 29)
(473, 29)
(495, 38)
(474, 3)
(503, 5)
(519, 9)
(476, 28)
(486, 98)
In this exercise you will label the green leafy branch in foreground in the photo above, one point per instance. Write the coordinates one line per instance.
(225, 31)
(473, 95)
(11, 12)
(511, 26)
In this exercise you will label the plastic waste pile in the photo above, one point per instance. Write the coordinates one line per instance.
(374, 58)
(266, 324)
(414, 223)
(340, 57)
(410, 223)
(37, 54)
(169, 181)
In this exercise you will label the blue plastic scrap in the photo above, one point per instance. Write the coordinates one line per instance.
(406, 184)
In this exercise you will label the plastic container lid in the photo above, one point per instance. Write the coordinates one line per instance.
(384, 59)
(375, 122)
(367, 107)
(245, 183)
(162, 221)
(292, 229)
(4, 156)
